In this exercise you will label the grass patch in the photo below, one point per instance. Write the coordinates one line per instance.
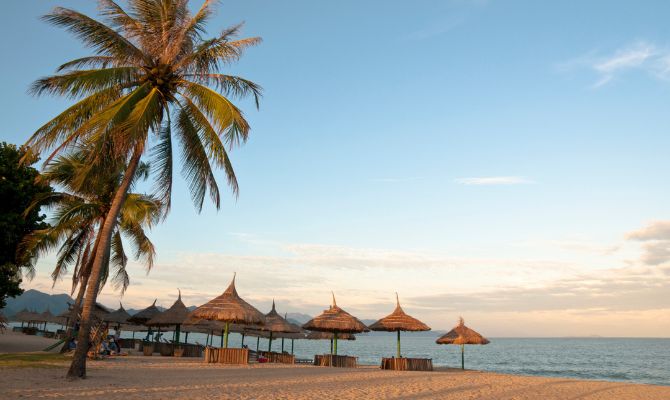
(32, 360)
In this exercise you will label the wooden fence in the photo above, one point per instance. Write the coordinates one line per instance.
(282, 358)
(329, 360)
(226, 356)
(407, 364)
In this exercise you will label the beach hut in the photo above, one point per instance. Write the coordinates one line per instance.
(228, 308)
(173, 316)
(22, 316)
(336, 321)
(399, 321)
(462, 335)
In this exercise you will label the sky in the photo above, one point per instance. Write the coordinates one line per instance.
(504, 161)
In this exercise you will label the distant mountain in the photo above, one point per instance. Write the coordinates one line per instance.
(368, 322)
(37, 301)
(298, 318)
(133, 311)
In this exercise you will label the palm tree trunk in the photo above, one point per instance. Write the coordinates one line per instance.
(78, 366)
(83, 282)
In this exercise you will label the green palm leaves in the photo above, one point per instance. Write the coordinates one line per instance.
(152, 78)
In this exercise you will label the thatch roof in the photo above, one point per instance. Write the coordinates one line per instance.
(47, 316)
(399, 321)
(329, 335)
(335, 319)
(28, 316)
(175, 315)
(99, 311)
(119, 316)
(145, 315)
(276, 323)
(461, 334)
(229, 307)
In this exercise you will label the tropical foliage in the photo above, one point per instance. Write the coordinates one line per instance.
(154, 82)
(77, 214)
(17, 190)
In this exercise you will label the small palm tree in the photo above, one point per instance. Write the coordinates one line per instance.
(153, 79)
(78, 212)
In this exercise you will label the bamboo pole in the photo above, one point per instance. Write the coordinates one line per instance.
(282, 345)
(462, 356)
(242, 345)
(221, 338)
(292, 340)
(335, 342)
(258, 342)
(226, 334)
(398, 355)
(270, 343)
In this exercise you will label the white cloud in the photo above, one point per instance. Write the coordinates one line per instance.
(495, 180)
(641, 56)
(656, 236)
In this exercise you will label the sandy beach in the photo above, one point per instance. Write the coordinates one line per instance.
(137, 377)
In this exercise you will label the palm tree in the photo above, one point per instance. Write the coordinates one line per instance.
(152, 73)
(78, 212)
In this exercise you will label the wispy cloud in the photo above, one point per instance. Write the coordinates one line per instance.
(495, 180)
(640, 56)
(656, 236)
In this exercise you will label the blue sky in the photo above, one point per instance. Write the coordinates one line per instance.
(463, 153)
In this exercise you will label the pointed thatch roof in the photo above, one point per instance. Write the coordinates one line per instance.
(174, 315)
(119, 316)
(229, 307)
(145, 315)
(276, 323)
(399, 321)
(329, 335)
(335, 319)
(461, 334)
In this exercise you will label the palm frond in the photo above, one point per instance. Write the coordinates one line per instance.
(230, 85)
(97, 35)
(74, 84)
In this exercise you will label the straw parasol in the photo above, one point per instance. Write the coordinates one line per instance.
(175, 315)
(399, 321)
(337, 321)
(462, 335)
(230, 309)
(276, 323)
(142, 317)
(117, 317)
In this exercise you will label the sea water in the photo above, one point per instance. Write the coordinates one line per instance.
(611, 359)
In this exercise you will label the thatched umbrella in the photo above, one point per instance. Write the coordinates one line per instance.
(329, 336)
(298, 334)
(117, 317)
(143, 316)
(230, 309)
(276, 323)
(173, 316)
(462, 335)
(335, 320)
(22, 316)
(399, 321)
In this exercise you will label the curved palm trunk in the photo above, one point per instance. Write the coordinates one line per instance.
(78, 366)
(85, 273)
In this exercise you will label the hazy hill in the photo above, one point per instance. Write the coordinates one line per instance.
(35, 300)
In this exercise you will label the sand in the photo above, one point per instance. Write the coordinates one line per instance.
(156, 377)
(137, 377)
(14, 342)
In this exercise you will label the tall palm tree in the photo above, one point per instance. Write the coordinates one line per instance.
(153, 78)
(78, 212)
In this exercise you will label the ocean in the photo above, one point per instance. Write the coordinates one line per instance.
(638, 360)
